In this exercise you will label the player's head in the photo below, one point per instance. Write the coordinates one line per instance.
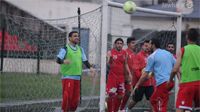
(192, 35)
(119, 44)
(131, 43)
(73, 37)
(155, 43)
(170, 47)
(146, 46)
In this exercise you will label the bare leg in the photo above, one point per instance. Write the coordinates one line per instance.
(118, 102)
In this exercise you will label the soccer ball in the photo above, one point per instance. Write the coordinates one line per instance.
(129, 7)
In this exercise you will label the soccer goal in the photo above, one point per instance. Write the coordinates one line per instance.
(30, 78)
(143, 24)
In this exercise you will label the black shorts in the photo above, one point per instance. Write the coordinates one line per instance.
(147, 90)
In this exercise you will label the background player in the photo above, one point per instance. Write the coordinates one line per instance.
(131, 55)
(171, 48)
(116, 77)
(189, 60)
(160, 62)
(147, 87)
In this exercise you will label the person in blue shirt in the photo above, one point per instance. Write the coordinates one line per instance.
(160, 62)
(70, 58)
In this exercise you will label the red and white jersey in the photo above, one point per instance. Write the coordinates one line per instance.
(130, 58)
(133, 65)
(117, 61)
(142, 56)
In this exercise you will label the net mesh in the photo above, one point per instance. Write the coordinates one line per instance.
(30, 80)
(143, 27)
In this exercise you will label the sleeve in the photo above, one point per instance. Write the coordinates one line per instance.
(173, 60)
(61, 56)
(62, 53)
(182, 51)
(84, 58)
(150, 63)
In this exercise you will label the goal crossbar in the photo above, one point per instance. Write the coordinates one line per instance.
(146, 10)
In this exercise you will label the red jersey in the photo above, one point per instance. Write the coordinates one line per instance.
(117, 61)
(130, 57)
(142, 58)
(133, 65)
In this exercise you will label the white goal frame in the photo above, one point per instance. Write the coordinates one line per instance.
(106, 5)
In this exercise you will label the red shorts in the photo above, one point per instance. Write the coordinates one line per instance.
(71, 94)
(115, 85)
(187, 95)
(160, 97)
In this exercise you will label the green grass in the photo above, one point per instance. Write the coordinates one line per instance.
(21, 87)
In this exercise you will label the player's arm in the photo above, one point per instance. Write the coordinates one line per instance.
(61, 57)
(86, 62)
(108, 57)
(144, 77)
(177, 65)
(150, 74)
(59, 60)
(128, 74)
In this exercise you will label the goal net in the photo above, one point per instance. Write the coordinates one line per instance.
(166, 33)
(30, 78)
(143, 24)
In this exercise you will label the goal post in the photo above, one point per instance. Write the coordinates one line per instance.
(106, 5)
(103, 56)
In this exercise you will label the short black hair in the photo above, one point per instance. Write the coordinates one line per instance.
(71, 33)
(119, 39)
(129, 40)
(193, 35)
(156, 42)
(169, 43)
(145, 41)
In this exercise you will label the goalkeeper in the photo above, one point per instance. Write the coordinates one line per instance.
(71, 57)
